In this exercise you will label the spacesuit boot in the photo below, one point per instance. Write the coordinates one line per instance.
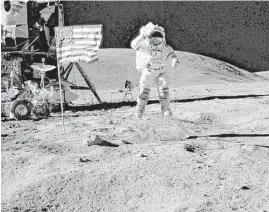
(165, 102)
(142, 101)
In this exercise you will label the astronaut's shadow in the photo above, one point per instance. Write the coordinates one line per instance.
(115, 105)
(220, 97)
(102, 106)
(229, 135)
(233, 135)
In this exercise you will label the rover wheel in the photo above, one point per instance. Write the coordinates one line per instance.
(41, 110)
(21, 109)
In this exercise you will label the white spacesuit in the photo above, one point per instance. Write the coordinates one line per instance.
(152, 54)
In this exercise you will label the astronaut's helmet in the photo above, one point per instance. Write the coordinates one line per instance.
(157, 38)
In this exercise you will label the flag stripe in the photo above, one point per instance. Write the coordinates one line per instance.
(83, 42)
(79, 59)
(88, 36)
(87, 42)
(76, 55)
(75, 48)
(87, 29)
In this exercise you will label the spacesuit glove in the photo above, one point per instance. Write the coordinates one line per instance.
(175, 63)
(146, 32)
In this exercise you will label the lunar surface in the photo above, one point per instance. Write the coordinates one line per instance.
(212, 155)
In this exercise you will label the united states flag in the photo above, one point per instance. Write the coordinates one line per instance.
(78, 43)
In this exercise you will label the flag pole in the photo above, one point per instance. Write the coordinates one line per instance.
(59, 66)
(61, 96)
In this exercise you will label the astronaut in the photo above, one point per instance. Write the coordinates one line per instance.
(152, 54)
